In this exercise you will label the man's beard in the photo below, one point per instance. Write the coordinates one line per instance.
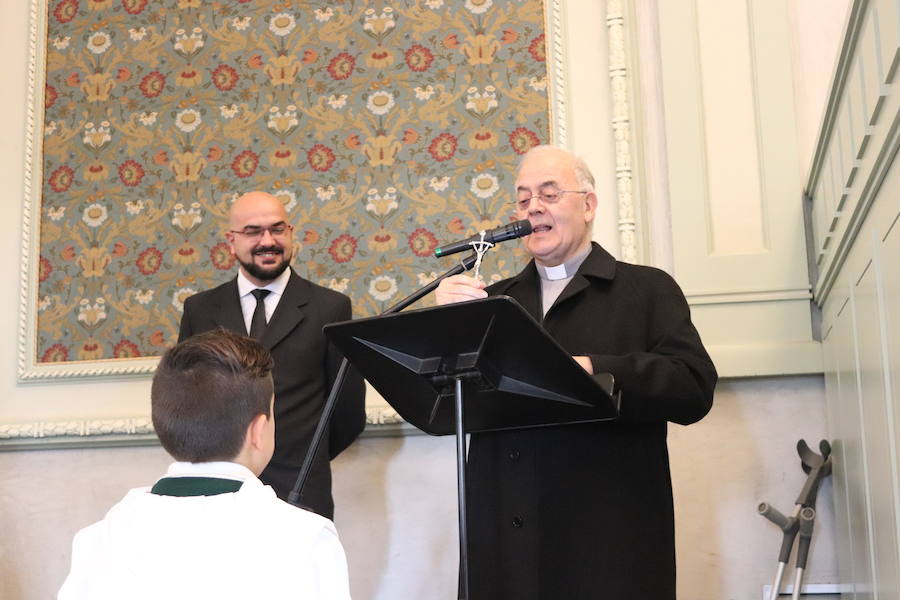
(266, 273)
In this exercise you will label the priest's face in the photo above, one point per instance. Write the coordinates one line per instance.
(260, 237)
(548, 194)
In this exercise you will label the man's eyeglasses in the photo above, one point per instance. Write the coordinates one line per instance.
(253, 232)
(524, 197)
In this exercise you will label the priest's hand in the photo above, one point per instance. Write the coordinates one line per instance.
(459, 288)
(585, 362)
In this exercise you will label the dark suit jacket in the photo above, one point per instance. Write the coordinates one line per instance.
(305, 368)
(585, 511)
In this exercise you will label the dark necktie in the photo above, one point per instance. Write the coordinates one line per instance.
(258, 322)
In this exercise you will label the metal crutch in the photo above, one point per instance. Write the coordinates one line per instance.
(817, 467)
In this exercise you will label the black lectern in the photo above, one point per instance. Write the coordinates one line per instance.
(472, 367)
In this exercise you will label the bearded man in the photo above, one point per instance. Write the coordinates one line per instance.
(268, 301)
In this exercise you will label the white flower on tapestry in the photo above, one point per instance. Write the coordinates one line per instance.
(91, 314)
(288, 198)
(325, 193)
(424, 93)
(137, 34)
(134, 207)
(481, 103)
(143, 297)
(61, 43)
(50, 128)
(538, 84)
(188, 44)
(380, 103)
(324, 14)
(379, 24)
(382, 288)
(186, 219)
(44, 303)
(180, 296)
(338, 285)
(439, 184)
(426, 278)
(283, 122)
(56, 213)
(229, 111)
(382, 204)
(96, 137)
(478, 7)
(434, 4)
(188, 120)
(147, 118)
(99, 42)
(282, 24)
(240, 24)
(484, 185)
(94, 215)
(337, 102)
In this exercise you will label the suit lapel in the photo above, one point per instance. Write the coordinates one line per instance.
(289, 313)
(228, 308)
(599, 263)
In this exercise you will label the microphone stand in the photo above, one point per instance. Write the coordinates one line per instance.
(294, 497)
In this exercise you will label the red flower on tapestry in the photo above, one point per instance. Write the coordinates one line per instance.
(61, 179)
(221, 256)
(134, 7)
(126, 349)
(422, 242)
(44, 269)
(149, 261)
(50, 96)
(537, 49)
(119, 249)
(419, 58)
(343, 248)
(443, 147)
(244, 164)
(131, 173)
(55, 353)
(66, 10)
(152, 84)
(310, 236)
(341, 66)
(225, 77)
(320, 157)
(522, 140)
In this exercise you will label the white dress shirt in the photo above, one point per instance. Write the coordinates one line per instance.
(248, 300)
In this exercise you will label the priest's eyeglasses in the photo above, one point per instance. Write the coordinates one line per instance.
(550, 196)
(255, 232)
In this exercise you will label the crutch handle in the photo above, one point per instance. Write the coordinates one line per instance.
(772, 514)
(807, 519)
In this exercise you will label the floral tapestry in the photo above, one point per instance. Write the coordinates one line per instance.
(386, 128)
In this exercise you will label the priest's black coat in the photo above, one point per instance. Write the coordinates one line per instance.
(585, 511)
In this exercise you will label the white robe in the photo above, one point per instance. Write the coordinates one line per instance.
(246, 544)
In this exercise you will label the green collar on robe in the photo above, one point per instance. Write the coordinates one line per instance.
(195, 486)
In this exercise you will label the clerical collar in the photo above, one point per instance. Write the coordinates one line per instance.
(566, 270)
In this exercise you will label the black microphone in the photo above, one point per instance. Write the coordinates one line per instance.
(496, 235)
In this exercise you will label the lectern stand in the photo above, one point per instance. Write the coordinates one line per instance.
(471, 367)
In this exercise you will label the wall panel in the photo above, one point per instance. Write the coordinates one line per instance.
(733, 177)
(858, 255)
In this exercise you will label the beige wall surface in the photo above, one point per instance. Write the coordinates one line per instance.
(396, 501)
(396, 496)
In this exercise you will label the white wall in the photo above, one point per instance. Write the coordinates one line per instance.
(396, 497)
